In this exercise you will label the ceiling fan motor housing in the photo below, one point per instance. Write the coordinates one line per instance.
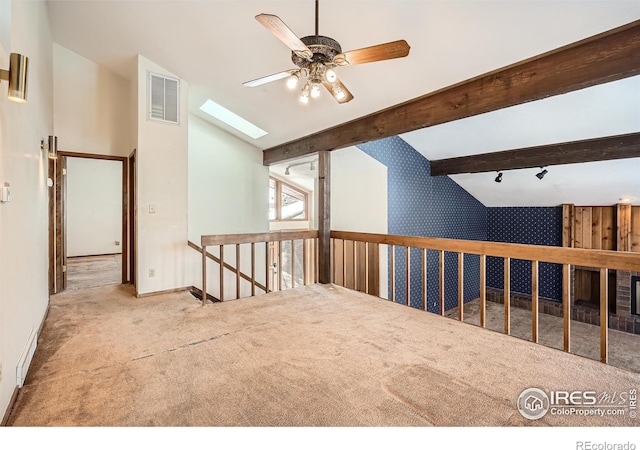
(324, 50)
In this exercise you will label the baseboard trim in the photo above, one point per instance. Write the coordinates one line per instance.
(44, 318)
(7, 413)
(167, 291)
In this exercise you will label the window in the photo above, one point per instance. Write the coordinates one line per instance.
(287, 202)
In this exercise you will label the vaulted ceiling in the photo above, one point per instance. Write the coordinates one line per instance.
(217, 45)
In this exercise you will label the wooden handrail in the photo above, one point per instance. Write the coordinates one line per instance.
(559, 255)
(248, 238)
(226, 266)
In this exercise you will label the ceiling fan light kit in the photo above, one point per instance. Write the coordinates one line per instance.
(317, 56)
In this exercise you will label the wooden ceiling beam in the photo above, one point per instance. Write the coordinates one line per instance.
(600, 149)
(603, 58)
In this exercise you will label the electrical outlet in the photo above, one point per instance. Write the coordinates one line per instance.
(152, 272)
(117, 242)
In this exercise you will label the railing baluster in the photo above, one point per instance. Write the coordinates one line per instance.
(534, 301)
(424, 279)
(237, 271)
(334, 264)
(461, 287)
(280, 271)
(305, 265)
(604, 315)
(393, 273)
(408, 276)
(483, 291)
(366, 267)
(441, 260)
(316, 253)
(344, 263)
(507, 296)
(253, 269)
(266, 266)
(204, 275)
(293, 264)
(566, 305)
(355, 266)
(221, 273)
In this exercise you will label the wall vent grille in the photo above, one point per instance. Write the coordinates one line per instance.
(164, 99)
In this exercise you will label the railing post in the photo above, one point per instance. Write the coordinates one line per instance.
(324, 216)
(204, 275)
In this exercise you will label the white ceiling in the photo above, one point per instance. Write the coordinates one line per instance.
(216, 45)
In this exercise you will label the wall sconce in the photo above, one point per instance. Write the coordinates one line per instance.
(17, 77)
(51, 145)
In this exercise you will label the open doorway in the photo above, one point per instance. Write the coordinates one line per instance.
(90, 218)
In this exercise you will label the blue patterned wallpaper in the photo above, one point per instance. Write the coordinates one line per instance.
(538, 226)
(421, 205)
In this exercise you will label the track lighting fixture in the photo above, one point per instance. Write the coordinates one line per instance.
(542, 173)
(498, 179)
(311, 167)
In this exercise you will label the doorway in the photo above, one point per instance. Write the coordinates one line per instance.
(89, 221)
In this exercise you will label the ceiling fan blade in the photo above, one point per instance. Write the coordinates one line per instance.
(390, 50)
(284, 33)
(268, 79)
(339, 91)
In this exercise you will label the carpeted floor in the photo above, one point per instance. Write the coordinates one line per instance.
(314, 356)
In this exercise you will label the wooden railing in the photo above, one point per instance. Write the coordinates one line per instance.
(274, 269)
(603, 260)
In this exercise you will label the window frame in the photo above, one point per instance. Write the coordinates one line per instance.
(279, 183)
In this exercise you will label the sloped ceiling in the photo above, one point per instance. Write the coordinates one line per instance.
(216, 45)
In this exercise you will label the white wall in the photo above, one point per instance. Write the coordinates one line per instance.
(24, 28)
(162, 154)
(228, 184)
(94, 207)
(91, 108)
(359, 198)
(228, 193)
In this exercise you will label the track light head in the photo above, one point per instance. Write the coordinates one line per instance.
(286, 171)
(498, 179)
(542, 173)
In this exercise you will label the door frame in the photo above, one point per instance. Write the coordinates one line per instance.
(58, 218)
(133, 260)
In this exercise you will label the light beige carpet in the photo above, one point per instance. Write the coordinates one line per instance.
(314, 356)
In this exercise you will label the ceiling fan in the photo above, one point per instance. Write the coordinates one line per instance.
(317, 56)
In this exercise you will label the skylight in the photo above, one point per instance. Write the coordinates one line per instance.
(232, 119)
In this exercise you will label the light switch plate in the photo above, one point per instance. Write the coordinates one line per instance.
(5, 193)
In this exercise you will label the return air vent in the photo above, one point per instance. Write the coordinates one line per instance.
(164, 99)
